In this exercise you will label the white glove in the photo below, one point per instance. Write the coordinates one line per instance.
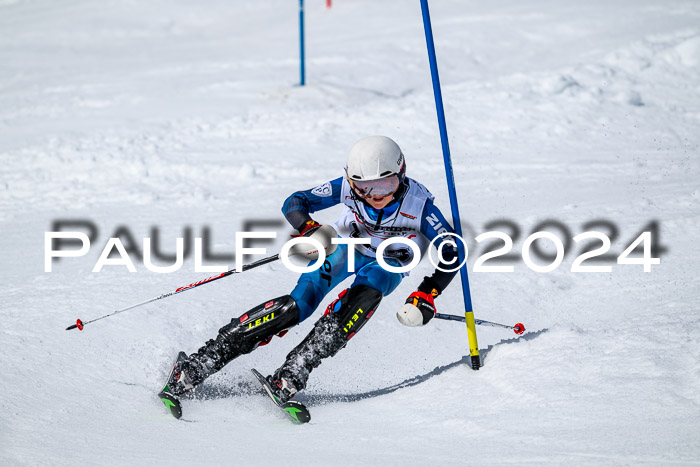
(323, 235)
(418, 310)
(409, 315)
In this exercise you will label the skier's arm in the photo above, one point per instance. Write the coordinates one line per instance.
(300, 204)
(420, 306)
(433, 223)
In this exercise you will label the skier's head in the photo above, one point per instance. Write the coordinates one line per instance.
(376, 170)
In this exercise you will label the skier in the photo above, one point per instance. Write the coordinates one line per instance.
(380, 203)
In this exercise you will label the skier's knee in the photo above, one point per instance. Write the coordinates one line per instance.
(354, 307)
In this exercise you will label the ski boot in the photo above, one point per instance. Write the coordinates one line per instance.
(343, 318)
(279, 392)
(241, 336)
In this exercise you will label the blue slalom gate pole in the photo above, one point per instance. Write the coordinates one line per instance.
(469, 313)
(301, 42)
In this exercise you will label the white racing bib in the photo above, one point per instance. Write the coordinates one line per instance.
(355, 222)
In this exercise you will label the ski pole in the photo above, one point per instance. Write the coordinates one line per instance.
(449, 174)
(519, 328)
(80, 324)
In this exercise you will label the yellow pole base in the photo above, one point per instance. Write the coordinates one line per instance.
(473, 344)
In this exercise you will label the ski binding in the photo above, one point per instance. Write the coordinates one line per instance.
(296, 411)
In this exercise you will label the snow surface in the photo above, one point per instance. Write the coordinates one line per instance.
(174, 114)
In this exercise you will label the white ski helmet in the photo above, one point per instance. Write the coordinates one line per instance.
(375, 157)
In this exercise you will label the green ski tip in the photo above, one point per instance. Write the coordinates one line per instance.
(171, 403)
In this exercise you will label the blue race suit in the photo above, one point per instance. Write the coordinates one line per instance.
(313, 286)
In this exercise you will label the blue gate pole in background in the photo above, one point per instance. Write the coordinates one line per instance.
(301, 41)
(469, 313)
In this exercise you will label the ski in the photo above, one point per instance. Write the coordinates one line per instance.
(172, 403)
(296, 411)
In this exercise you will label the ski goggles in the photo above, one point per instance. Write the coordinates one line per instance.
(380, 187)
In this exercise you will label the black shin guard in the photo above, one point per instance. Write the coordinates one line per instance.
(343, 319)
(241, 336)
